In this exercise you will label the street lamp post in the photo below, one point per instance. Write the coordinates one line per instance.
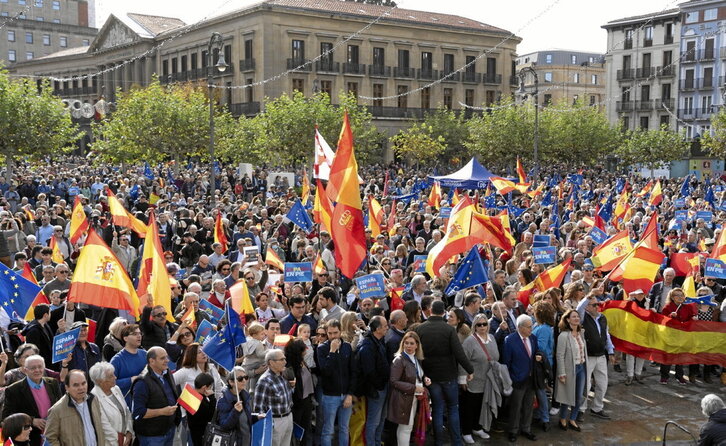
(522, 91)
(215, 42)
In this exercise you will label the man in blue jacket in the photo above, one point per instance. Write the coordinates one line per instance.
(519, 356)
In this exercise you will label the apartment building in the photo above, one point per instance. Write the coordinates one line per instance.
(30, 29)
(642, 66)
(565, 75)
(404, 51)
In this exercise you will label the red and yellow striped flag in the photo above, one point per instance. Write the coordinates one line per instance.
(503, 185)
(99, 279)
(322, 207)
(608, 255)
(79, 222)
(272, 259)
(220, 235)
(122, 217)
(40, 298)
(719, 249)
(240, 298)
(435, 196)
(319, 266)
(656, 196)
(153, 277)
(190, 399)
(520, 172)
(375, 216)
(190, 317)
(57, 256)
(305, 193)
(641, 269)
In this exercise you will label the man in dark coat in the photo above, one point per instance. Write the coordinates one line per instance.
(38, 332)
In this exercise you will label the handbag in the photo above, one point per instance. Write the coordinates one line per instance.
(214, 435)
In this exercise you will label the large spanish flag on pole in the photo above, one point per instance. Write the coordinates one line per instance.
(99, 279)
(153, 277)
(122, 217)
(640, 271)
(79, 222)
(219, 234)
(649, 335)
(347, 230)
(608, 255)
(375, 216)
(719, 250)
(322, 207)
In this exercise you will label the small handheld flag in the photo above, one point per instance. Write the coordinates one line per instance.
(190, 399)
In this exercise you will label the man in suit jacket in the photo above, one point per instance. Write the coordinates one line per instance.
(34, 395)
(38, 332)
(519, 357)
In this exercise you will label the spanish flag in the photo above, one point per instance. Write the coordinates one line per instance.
(322, 207)
(347, 230)
(538, 191)
(648, 240)
(99, 279)
(375, 216)
(319, 266)
(305, 193)
(719, 249)
(608, 255)
(643, 192)
(219, 235)
(122, 217)
(240, 298)
(391, 218)
(455, 196)
(656, 196)
(621, 206)
(272, 259)
(190, 317)
(40, 298)
(57, 256)
(520, 172)
(649, 335)
(435, 196)
(507, 227)
(153, 278)
(190, 399)
(503, 185)
(641, 269)
(79, 222)
(551, 278)
(29, 214)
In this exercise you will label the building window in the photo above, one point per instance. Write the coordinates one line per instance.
(706, 102)
(471, 64)
(692, 17)
(11, 56)
(46, 39)
(63, 41)
(403, 59)
(403, 96)
(548, 77)
(548, 58)
(591, 60)
(448, 97)
(28, 37)
(645, 93)
(706, 130)
(665, 121)
(250, 91)
(576, 78)
(56, 20)
(298, 49)
(86, 42)
(379, 58)
(688, 105)
(426, 98)
(643, 123)
(248, 49)
(174, 65)
(489, 97)
(326, 87)
(353, 89)
(29, 55)
(377, 93)
(227, 55)
(469, 97)
(573, 59)
(628, 44)
(164, 69)
(184, 66)
(710, 14)
(592, 100)
(38, 3)
(11, 36)
(426, 61)
(648, 36)
(353, 54)
(448, 63)
(593, 79)
(56, 5)
(298, 85)
(547, 99)
(625, 123)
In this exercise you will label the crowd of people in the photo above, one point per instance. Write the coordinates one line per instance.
(462, 365)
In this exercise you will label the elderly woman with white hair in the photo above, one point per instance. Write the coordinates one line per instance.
(713, 432)
(117, 422)
(113, 342)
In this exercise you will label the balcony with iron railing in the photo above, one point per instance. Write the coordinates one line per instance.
(644, 105)
(688, 84)
(628, 44)
(666, 71)
(668, 39)
(404, 72)
(514, 80)
(471, 77)
(706, 83)
(327, 66)
(624, 106)
(299, 65)
(688, 113)
(427, 74)
(246, 65)
(399, 112)
(354, 68)
(644, 72)
(244, 109)
(450, 76)
(663, 104)
(626, 74)
(379, 71)
(492, 78)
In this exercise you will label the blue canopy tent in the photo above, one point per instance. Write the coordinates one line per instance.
(471, 176)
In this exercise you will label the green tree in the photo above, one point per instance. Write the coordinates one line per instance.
(158, 123)
(418, 142)
(33, 123)
(716, 143)
(576, 134)
(651, 148)
(499, 135)
(453, 128)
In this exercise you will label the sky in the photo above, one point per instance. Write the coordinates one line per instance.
(568, 24)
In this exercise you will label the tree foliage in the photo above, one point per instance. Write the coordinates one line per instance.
(158, 123)
(419, 143)
(716, 143)
(652, 148)
(33, 123)
(453, 129)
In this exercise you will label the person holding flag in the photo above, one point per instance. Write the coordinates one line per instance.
(234, 411)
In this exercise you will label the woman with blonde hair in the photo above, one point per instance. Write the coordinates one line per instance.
(407, 387)
(349, 331)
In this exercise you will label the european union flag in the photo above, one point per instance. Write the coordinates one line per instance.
(555, 217)
(299, 216)
(170, 179)
(471, 272)
(16, 293)
(702, 300)
(234, 327)
(405, 198)
(710, 197)
(686, 187)
(214, 312)
(619, 185)
(220, 348)
(147, 171)
(606, 211)
(547, 198)
(134, 192)
(490, 201)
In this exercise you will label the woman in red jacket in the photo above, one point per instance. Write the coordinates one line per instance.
(676, 308)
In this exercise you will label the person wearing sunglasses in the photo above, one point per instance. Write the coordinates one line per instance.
(17, 428)
(233, 408)
(155, 325)
(600, 351)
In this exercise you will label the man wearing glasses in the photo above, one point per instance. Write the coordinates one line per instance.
(124, 251)
(274, 392)
(64, 245)
(130, 361)
(599, 348)
(156, 330)
(61, 282)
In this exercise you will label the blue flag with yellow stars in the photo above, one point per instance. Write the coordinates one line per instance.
(220, 348)
(299, 216)
(471, 272)
(16, 293)
(236, 333)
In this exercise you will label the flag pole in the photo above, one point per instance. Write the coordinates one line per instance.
(234, 372)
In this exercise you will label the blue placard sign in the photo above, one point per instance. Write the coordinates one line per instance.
(548, 254)
(299, 272)
(63, 344)
(371, 286)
